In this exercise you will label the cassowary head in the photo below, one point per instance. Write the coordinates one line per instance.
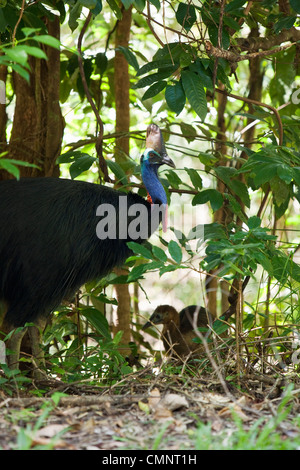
(153, 157)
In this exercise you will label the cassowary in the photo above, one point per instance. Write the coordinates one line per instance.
(179, 328)
(56, 235)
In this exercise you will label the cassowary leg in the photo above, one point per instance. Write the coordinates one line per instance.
(38, 360)
(14, 345)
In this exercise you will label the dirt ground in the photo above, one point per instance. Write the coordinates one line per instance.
(136, 414)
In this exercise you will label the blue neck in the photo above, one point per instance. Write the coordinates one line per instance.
(152, 183)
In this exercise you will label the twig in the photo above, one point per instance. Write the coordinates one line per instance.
(18, 22)
(258, 103)
(149, 19)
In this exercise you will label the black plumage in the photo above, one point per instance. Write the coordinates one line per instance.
(49, 238)
(49, 246)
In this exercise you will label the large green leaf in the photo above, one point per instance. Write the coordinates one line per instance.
(195, 93)
(212, 195)
(240, 190)
(175, 251)
(129, 56)
(295, 4)
(154, 77)
(154, 89)
(98, 320)
(140, 250)
(194, 177)
(175, 97)
(127, 3)
(186, 15)
(48, 40)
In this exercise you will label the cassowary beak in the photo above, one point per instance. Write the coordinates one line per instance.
(160, 159)
(165, 159)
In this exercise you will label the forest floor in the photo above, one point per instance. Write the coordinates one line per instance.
(154, 412)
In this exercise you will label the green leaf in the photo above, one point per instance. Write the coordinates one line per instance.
(264, 261)
(280, 191)
(101, 62)
(213, 32)
(137, 272)
(240, 190)
(154, 77)
(159, 253)
(118, 171)
(219, 326)
(5, 164)
(175, 97)
(129, 56)
(48, 40)
(140, 250)
(155, 64)
(175, 251)
(285, 22)
(21, 71)
(253, 222)
(80, 165)
(127, 3)
(139, 4)
(295, 5)
(186, 15)
(17, 54)
(173, 178)
(98, 320)
(194, 177)
(235, 5)
(115, 8)
(264, 173)
(212, 195)
(154, 90)
(156, 3)
(90, 4)
(35, 51)
(11, 165)
(285, 173)
(195, 93)
(75, 12)
(167, 269)
(3, 22)
(28, 31)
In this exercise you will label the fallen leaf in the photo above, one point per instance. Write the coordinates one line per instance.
(162, 413)
(154, 398)
(228, 410)
(172, 401)
(50, 431)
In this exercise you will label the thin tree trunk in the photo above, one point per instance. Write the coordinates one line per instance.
(122, 85)
(221, 216)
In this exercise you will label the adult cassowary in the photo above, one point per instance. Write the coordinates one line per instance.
(56, 235)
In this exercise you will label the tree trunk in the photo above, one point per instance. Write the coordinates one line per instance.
(122, 85)
(38, 124)
(221, 216)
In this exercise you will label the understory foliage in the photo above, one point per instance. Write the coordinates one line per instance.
(222, 81)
